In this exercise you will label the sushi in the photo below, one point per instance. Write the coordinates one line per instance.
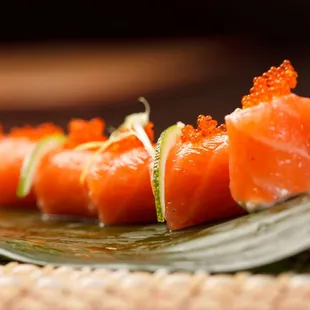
(118, 178)
(57, 183)
(191, 175)
(269, 141)
(119, 183)
(86, 174)
(14, 147)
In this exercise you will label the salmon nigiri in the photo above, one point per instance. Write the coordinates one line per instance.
(57, 182)
(195, 175)
(14, 147)
(269, 141)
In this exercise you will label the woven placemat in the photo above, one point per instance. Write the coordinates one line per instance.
(25, 286)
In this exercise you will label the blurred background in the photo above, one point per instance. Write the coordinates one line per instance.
(87, 60)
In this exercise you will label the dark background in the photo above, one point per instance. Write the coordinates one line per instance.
(34, 20)
(259, 34)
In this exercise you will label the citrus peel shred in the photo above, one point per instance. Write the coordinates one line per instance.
(134, 125)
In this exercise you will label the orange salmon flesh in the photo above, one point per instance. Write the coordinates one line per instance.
(197, 183)
(57, 184)
(269, 151)
(13, 150)
(120, 187)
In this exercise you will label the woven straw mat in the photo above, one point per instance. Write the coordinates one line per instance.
(30, 287)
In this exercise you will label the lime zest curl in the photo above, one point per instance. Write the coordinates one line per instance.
(133, 125)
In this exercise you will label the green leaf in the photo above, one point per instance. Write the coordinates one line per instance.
(263, 241)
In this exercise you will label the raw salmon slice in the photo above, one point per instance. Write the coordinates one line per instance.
(197, 177)
(269, 141)
(14, 147)
(57, 184)
(120, 188)
(12, 153)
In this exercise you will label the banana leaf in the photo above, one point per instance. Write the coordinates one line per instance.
(267, 241)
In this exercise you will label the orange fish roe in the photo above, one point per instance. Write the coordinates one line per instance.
(82, 131)
(207, 127)
(276, 82)
(35, 133)
(132, 141)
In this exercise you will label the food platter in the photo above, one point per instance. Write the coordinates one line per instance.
(245, 243)
(216, 198)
